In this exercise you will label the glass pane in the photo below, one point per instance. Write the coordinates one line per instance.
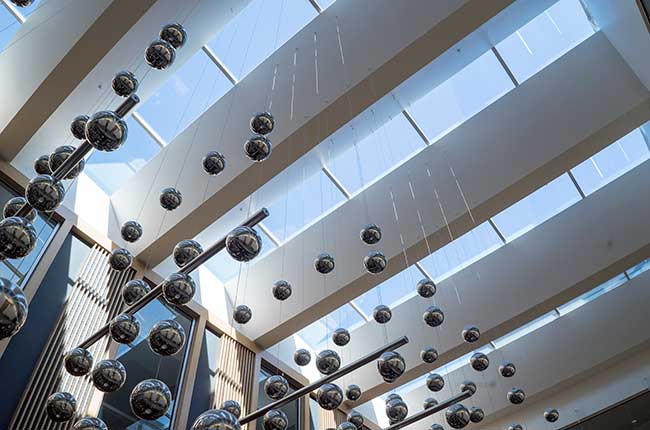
(28, 10)
(391, 292)
(525, 329)
(324, 4)
(184, 96)
(462, 96)
(537, 207)
(258, 30)
(638, 269)
(142, 363)
(612, 162)
(314, 415)
(8, 27)
(206, 373)
(317, 334)
(292, 410)
(593, 294)
(546, 38)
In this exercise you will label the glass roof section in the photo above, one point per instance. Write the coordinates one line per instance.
(392, 291)
(8, 27)
(317, 335)
(635, 271)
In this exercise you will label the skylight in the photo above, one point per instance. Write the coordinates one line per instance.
(391, 292)
(8, 27)
(317, 334)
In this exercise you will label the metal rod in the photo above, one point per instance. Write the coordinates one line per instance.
(430, 411)
(311, 387)
(189, 267)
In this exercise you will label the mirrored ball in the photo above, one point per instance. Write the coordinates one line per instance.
(353, 392)
(14, 204)
(435, 382)
(17, 237)
(426, 288)
(275, 419)
(468, 386)
(42, 165)
(78, 126)
(78, 361)
(131, 231)
(507, 370)
(324, 263)
(391, 365)
(341, 337)
(166, 337)
(61, 407)
(370, 234)
(375, 262)
(44, 193)
(108, 376)
(476, 414)
(150, 399)
(134, 290)
(516, 396)
(124, 328)
(242, 314)
(471, 333)
(216, 419)
(13, 308)
(214, 163)
(515, 427)
(329, 396)
(396, 409)
(436, 427)
(457, 416)
(61, 154)
(22, 3)
(276, 387)
(124, 83)
(90, 423)
(479, 361)
(382, 314)
(302, 357)
(262, 123)
(106, 131)
(243, 244)
(170, 198)
(178, 289)
(120, 259)
(233, 407)
(433, 316)
(551, 415)
(328, 361)
(160, 54)
(258, 148)
(281, 290)
(174, 34)
(429, 354)
(349, 425)
(429, 402)
(186, 251)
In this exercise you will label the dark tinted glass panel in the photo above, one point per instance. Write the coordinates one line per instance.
(292, 409)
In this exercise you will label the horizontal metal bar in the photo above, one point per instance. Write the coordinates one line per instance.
(430, 411)
(311, 387)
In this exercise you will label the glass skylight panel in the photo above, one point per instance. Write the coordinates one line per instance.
(608, 286)
(525, 329)
(461, 252)
(256, 32)
(324, 4)
(317, 334)
(460, 97)
(184, 96)
(28, 10)
(612, 162)
(638, 269)
(537, 207)
(8, 27)
(391, 292)
(546, 38)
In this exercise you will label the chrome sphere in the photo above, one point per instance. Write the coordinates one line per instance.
(106, 131)
(479, 361)
(242, 314)
(257, 148)
(120, 259)
(476, 414)
(125, 83)
(429, 402)
(302, 357)
(22, 3)
(90, 423)
(435, 382)
(348, 425)
(13, 205)
(78, 361)
(262, 123)
(61, 407)
(396, 409)
(174, 34)
(124, 328)
(166, 337)
(214, 163)
(108, 376)
(150, 399)
(78, 127)
(276, 387)
(233, 407)
(281, 290)
(329, 396)
(186, 251)
(429, 354)
(433, 316)
(551, 415)
(42, 165)
(17, 237)
(516, 396)
(324, 263)
(160, 54)
(436, 426)
(178, 289)
(471, 334)
(170, 198)
(44, 193)
(243, 244)
(382, 314)
(134, 290)
(353, 392)
(468, 386)
(275, 419)
(457, 416)
(13, 308)
(507, 370)
(370, 234)
(375, 262)
(131, 231)
(216, 419)
(426, 288)
(328, 361)
(341, 337)
(59, 155)
(391, 366)
(515, 427)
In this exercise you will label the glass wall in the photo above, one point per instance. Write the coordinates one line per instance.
(293, 409)
(206, 375)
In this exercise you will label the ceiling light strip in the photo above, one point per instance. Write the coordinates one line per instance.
(270, 234)
(336, 182)
(12, 10)
(220, 65)
(575, 183)
(505, 66)
(417, 128)
(149, 129)
(316, 6)
(360, 311)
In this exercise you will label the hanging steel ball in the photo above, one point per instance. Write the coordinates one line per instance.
(328, 361)
(281, 290)
(134, 290)
(22, 3)
(429, 354)
(150, 399)
(396, 409)
(44, 193)
(166, 337)
(476, 414)
(468, 386)
(13, 308)
(276, 387)
(457, 416)
(214, 163)
(507, 370)
(302, 357)
(515, 427)
(125, 83)
(329, 396)
(433, 316)
(14, 204)
(341, 337)
(120, 259)
(382, 314)
(242, 314)
(275, 419)
(370, 234)
(551, 415)
(78, 361)
(106, 131)
(479, 361)
(174, 34)
(124, 328)
(178, 288)
(391, 366)
(42, 165)
(108, 376)
(216, 419)
(78, 127)
(436, 426)
(258, 148)
(61, 407)
(61, 154)
(471, 333)
(232, 406)
(186, 251)
(160, 54)
(516, 396)
(429, 402)
(375, 262)
(426, 288)
(262, 123)
(353, 392)
(435, 382)
(243, 244)
(354, 422)
(17, 237)
(90, 423)
(324, 263)
(170, 198)
(131, 231)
